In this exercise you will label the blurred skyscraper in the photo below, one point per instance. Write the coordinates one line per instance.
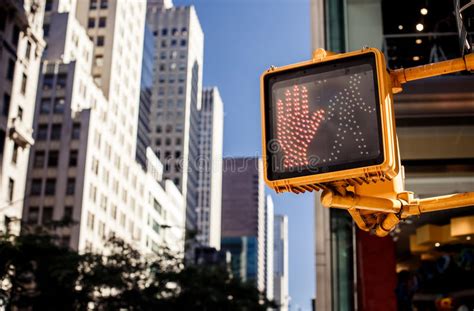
(83, 166)
(243, 218)
(146, 85)
(20, 56)
(269, 254)
(211, 126)
(280, 242)
(176, 96)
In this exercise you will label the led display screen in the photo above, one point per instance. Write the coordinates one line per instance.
(322, 118)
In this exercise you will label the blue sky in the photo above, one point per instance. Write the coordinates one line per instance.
(242, 39)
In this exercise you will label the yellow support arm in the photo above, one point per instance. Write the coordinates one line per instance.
(403, 75)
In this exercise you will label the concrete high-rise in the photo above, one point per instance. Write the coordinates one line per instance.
(211, 126)
(22, 45)
(243, 218)
(176, 96)
(269, 254)
(280, 253)
(83, 166)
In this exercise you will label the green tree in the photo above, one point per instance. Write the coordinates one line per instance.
(38, 274)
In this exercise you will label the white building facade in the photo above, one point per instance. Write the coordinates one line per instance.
(280, 243)
(83, 167)
(211, 130)
(269, 253)
(20, 56)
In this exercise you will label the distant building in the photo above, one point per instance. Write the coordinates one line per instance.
(146, 85)
(176, 96)
(280, 243)
(21, 48)
(243, 218)
(211, 127)
(83, 166)
(269, 253)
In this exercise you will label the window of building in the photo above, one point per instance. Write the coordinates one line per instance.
(93, 4)
(11, 188)
(91, 22)
(177, 154)
(28, 49)
(168, 141)
(163, 55)
(33, 215)
(104, 4)
(164, 43)
(178, 141)
(36, 185)
(53, 158)
(47, 216)
(2, 140)
(184, 31)
(39, 158)
(42, 132)
(62, 81)
(179, 128)
(48, 81)
(58, 107)
(113, 212)
(70, 186)
(176, 181)
(46, 30)
(90, 221)
(15, 35)
(19, 115)
(56, 131)
(15, 153)
(158, 142)
(6, 104)
(183, 42)
(169, 128)
(73, 157)
(45, 106)
(10, 69)
(159, 129)
(76, 131)
(24, 83)
(99, 60)
(174, 42)
(100, 41)
(164, 32)
(68, 213)
(174, 32)
(49, 5)
(102, 22)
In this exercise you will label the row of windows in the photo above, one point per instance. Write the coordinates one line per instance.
(33, 216)
(168, 143)
(52, 159)
(94, 4)
(50, 186)
(172, 67)
(172, 31)
(170, 102)
(55, 134)
(172, 79)
(173, 55)
(169, 128)
(47, 106)
(102, 22)
(173, 43)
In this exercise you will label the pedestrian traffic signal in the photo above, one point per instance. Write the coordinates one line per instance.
(329, 119)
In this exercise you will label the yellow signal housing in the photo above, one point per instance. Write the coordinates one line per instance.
(327, 121)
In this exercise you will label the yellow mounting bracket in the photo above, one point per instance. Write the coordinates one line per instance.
(380, 207)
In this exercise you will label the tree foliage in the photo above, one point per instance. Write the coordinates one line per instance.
(38, 274)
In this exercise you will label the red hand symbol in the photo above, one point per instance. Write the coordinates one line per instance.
(296, 127)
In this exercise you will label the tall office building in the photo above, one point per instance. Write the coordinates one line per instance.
(269, 254)
(243, 218)
(176, 96)
(83, 166)
(146, 86)
(435, 133)
(20, 56)
(211, 126)
(280, 253)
